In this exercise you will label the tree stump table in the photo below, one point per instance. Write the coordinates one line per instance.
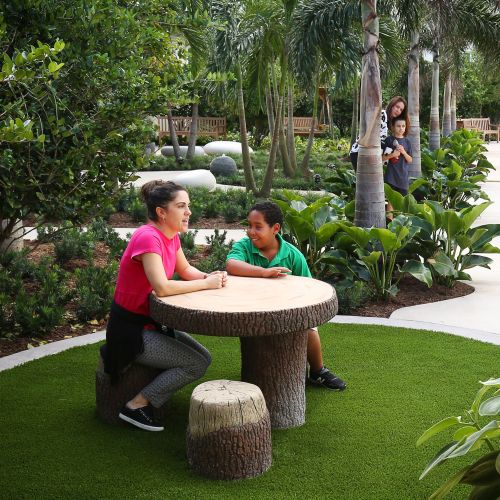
(271, 317)
(229, 431)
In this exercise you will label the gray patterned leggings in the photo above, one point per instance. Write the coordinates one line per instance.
(183, 359)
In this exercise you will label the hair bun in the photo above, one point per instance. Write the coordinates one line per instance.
(147, 188)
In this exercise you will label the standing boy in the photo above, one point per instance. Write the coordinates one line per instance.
(264, 254)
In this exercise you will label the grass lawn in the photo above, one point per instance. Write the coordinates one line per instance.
(358, 444)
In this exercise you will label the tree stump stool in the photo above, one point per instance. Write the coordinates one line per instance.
(229, 432)
(110, 399)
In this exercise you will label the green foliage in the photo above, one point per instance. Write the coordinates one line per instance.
(452, 174)
(94, 291)
(73, 244)
(74, 114)
(447, 242)
(32, 298)
(352, 295)
(99, 230)
(310, 227)
(188, 244)
(217, 253)
(379, 248)
(471, 432)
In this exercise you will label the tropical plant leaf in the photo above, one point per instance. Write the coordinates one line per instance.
(418, 270)
(476, 260)
(442, 264)
(471, 440)
(438, 427)
(440, 456)
(490, 406)
(446, 487)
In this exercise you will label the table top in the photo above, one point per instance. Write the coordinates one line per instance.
(249, 307)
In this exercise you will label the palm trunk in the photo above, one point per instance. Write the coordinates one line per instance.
(285, 158)
(304, 166)
(265, 192)
(370, 200)
(270, 110)
(434, 132)
(447, 107)
(453, 109)
(193, 132)
(355, 112)
(245, 152)
(290, 139)
(173, 136)
(415, 169)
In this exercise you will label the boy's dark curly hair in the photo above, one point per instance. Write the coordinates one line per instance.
(271, 211)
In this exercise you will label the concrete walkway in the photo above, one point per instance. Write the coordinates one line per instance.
(472, 316)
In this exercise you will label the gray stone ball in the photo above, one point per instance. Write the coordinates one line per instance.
(223, 166)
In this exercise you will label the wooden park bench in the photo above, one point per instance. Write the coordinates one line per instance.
(302, 125)
(207, 126)
(482, 125)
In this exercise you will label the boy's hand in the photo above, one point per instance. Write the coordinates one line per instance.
(275, 272)
(401, 149)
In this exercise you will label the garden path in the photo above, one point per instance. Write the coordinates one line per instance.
(472, 316)
(474, 312)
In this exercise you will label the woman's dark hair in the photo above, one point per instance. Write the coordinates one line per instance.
(158, 194)
(404, 115)
(271, 212)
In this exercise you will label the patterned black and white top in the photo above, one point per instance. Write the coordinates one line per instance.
(383, 132)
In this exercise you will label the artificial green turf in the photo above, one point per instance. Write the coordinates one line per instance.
(357, 444)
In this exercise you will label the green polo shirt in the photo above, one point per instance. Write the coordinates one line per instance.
(288, 256)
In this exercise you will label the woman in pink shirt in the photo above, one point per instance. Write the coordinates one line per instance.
(152, 256)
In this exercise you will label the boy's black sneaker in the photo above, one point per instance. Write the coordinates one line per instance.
(140, 417)
(327, 379)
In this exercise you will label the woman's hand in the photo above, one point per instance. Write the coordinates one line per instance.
(275, 272)
(223, 273)
(217, 279)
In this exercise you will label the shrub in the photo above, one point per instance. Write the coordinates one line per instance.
(101, 231)
(73, 244)
(188, 244)
(218, 252)
(40, 306)
(94, 291)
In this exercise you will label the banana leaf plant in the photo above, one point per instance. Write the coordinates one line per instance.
(470, 434)
(310, 227)
(452, 175)
(378, 249)
(447, 242)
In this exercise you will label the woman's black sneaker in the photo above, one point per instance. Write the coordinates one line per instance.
(327, 379)
(140, 417)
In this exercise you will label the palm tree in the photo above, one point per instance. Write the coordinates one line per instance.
(370, 199)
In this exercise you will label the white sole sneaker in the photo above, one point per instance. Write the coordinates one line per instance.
(140, 424)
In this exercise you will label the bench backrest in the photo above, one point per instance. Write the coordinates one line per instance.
(476, 123)
(207, 125)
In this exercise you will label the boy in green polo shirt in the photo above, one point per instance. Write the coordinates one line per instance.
(265, 254)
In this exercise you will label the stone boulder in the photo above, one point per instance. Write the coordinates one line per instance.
(223, 147)
(223, 165)
(196, 178)
(169, 151)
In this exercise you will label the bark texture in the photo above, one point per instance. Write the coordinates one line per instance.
(434, 132)
(415, 168)
(453, 108)
(447, 107)
(370, 198)
(278, 366)
(229, 432)
(243, 324)
(110, 399)
(193, 132)
(173, 136)
(12, 233)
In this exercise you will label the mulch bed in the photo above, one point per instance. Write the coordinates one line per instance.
(411, 291)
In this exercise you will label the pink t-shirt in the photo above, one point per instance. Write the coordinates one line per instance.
(132, 286)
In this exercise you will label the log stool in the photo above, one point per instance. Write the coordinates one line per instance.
(110, 399)
(229, 432)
